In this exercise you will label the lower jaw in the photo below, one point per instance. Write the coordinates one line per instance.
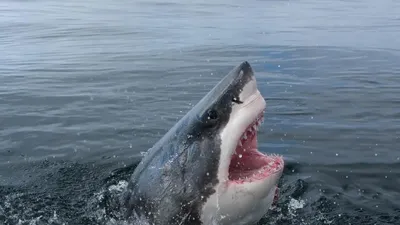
(264, 166)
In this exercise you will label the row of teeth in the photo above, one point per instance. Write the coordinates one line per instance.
(251, 130)
(272, 167)
(271, 170)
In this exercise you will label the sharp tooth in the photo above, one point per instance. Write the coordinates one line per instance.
(240, 143)
(245, 136)
(255, 127)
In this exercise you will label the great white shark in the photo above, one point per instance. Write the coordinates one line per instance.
(207, 170)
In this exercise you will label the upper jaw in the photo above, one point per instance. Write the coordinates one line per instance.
(252, 128)
(242, 117)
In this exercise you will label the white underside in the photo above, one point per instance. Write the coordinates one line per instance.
(240, 204)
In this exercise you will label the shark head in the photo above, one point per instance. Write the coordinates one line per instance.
(207, 169)
(247, 178)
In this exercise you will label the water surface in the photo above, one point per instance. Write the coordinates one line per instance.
(87, 86)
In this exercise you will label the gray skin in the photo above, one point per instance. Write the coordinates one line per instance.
(179, 172)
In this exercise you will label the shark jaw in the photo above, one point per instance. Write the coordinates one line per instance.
(247, 177)
(247, 163)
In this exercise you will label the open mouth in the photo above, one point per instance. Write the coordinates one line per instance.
(247, 163)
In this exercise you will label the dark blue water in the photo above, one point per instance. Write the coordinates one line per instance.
(86, 86)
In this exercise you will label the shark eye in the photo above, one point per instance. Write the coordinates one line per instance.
(212, 115)
(236, 100)
(210, 118)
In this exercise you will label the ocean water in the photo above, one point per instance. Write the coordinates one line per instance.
(87, 86)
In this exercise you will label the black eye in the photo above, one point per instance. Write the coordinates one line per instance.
(236, 100)
(212, 115)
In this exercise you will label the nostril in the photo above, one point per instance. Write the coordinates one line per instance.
(236, 100)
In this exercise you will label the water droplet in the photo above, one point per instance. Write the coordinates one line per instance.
(240, 156)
